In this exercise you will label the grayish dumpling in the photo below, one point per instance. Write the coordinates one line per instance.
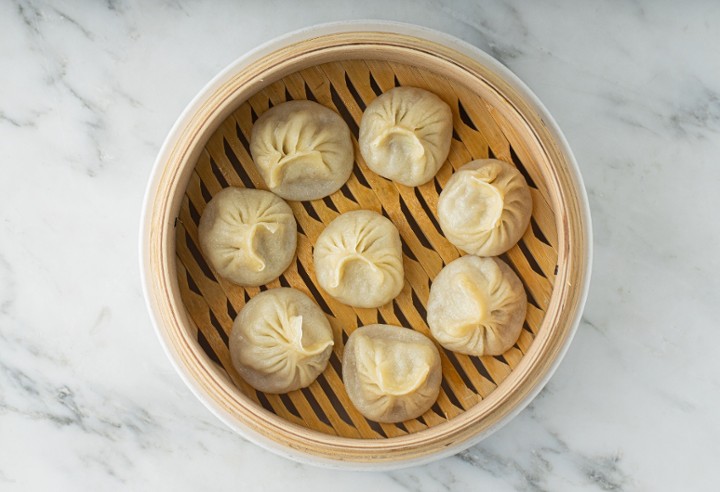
(281, 341)
(485, 207)
(405, 135)
(248, 236)
(358, 259)
(477, 306)
(302, 149)
(391, 373)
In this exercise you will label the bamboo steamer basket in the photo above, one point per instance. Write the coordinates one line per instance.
(344, 67)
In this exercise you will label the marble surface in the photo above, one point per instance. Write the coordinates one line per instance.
(88, 91)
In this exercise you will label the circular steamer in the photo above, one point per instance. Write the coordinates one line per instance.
(344, 67)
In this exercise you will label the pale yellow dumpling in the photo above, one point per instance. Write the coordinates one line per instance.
(358, 259)
(281, 341)
(485, 207)
(248, 236)
(477, 306)
(405, 135)
(302, 149)
(391, 373)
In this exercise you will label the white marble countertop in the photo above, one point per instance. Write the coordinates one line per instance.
(88, 91)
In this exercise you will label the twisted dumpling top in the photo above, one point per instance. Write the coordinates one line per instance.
(248, 236)
(358, 259)
(485, 207)
(477, 306)
(281, 341)
(391, 373)
(405, 135)
(302, 149)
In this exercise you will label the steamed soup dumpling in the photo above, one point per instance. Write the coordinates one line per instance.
(281, 341)
(485, 207)
(302, 149)
(358, 259)
(477, 306)
(405, 135)
(248, 236)
(391, 374)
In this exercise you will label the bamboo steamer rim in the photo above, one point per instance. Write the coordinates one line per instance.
(171, 173)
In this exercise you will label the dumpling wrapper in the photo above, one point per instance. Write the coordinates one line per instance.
(248, 236)
(405, 135)
(485, 207)
(358, 259)
(281, 341)
(477, 306)
(391, 373)
(302, 150)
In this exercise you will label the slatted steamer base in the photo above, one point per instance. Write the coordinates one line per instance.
(348, 87)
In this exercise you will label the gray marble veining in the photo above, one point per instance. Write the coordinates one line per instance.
(89, 91)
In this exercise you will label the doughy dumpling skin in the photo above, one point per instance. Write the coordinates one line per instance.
(391, 374)
(281, 341)
(405, 135)
(248, 236)
(477, 306)
(358, 259)
(485, 207)
(302, 149)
